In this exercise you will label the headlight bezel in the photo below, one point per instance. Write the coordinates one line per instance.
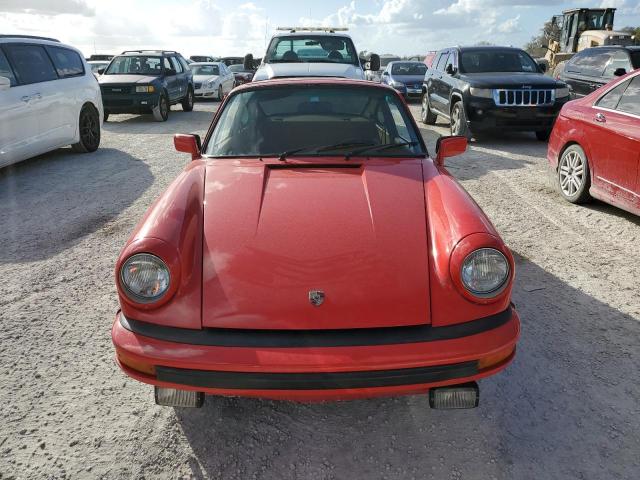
(499, 288)
(136, 297)
(562, 92)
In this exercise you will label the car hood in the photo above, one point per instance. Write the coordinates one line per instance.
(509, 80)
(408, 79)
(204, 78)
(273, 233)
(302, 69)
(120, 79)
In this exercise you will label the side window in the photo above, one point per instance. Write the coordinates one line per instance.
(592, 63)
(451, 61)
(442, 61)
(166, 63)
(630, 101)
(67, 62)
(176, 65)
(5, 69)
(31, 63)
(618, 59)
(611, 99)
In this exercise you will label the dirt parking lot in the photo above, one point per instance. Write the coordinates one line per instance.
(569, 406)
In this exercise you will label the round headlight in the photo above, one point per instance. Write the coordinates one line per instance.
(144, 278)
(484, 272)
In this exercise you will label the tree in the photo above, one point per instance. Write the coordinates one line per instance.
(633, 31)
(537, 46)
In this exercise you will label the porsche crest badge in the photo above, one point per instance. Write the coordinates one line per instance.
(316, 297)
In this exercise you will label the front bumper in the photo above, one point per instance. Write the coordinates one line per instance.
(205, 92)
(325, 365)
(483, 114)
(132, 103)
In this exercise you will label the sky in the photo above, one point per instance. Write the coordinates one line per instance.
(227, 27)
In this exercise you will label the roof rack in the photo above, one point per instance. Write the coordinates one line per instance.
(313, 29)
(151, 50)
(32, 37)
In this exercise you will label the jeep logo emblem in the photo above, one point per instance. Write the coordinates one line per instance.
(316, 297)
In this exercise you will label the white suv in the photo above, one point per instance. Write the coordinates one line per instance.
(48, 99)
(312, 52)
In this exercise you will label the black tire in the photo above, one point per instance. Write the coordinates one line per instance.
(543, 135)
(89, 127)
(187, 101)
(161, 111)
(574, 176)
(220, 92)
(106, 116)
(426, 115)
(459, 120)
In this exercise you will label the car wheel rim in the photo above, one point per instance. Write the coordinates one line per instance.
(220, 92)
(455, 119)
(90, 131)
(190, 98)
(571, 173)
(163, 107)
(424, 107)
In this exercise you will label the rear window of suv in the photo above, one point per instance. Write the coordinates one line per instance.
(67, 62)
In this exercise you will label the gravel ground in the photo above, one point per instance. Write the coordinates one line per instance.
(567, 408)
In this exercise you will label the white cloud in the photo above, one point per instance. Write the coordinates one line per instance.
(48, 7)
(510, 26)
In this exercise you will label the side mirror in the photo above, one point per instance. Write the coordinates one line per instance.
(542, 67)
(374, 62)
(5, 83)
(620, 72)
(451, 70)
(101, 70)
(188, 144)
(449, 147)
(385, 73)
(170, 71)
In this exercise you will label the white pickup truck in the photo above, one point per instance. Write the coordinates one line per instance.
(313, 52)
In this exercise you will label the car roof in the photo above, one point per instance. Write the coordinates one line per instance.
(315, 33)
(38, 41)
(417, 62)
(312, 81)
(195, 64)
(158, 53)
(633, 48)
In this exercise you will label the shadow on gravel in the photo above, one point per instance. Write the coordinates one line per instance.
(567, 408)
(178, 122)
(50, 202)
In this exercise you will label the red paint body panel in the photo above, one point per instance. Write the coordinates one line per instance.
(612, 147)
(297, 229)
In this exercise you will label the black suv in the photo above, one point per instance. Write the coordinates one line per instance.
(146, 81)
(491, 88)
(594, 67)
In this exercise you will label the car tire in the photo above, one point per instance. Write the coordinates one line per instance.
(458, 121)
(543, 135)
(161, 111)
(220, 93)
(573, 175)
(89, 128)
(426, 115)
(187, 101)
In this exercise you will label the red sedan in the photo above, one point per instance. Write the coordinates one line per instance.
(312, 250)
(594, 150)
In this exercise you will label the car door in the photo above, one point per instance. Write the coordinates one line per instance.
(16, 127)
(170, 78)
(583, 73)
(41, 91)
(616, 142)
(438, 96)
(227, 79)
(182, 82)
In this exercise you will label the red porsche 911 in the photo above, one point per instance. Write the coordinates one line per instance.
(594, 149)
(312, 251)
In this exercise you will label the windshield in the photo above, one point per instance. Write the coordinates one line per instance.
(205, 69)
(408, 69)
(270, 121)
(135, 65)
(310, 48)
(97, 66)
(491, 60)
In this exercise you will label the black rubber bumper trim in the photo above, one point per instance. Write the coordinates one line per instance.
(315, 381)
(356, 337)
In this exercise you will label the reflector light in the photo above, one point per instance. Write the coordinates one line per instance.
(496, 358)
(172, 397)
(466, 395)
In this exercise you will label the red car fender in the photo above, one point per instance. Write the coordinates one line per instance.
(567, 131)
(172, 230)
(454, 218)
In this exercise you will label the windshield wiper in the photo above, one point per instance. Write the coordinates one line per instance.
(378, 148)
(283, 156)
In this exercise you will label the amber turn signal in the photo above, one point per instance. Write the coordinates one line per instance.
(495, 358)
(136, 365)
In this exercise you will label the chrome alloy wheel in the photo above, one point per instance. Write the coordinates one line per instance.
(455, 120)
(571, 172)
